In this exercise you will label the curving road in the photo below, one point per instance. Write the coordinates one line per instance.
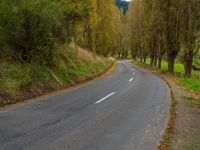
(127, 110)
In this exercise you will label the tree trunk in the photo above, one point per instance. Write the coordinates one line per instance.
(159, 62)
(155, 55)
(141, 53)
(188, 69)
(141, 58)
(171, 62)
(152, 60)
(126, 54)
(152, 56)
(133, 55)
(144, 59)
(188, 58)
(155, 61)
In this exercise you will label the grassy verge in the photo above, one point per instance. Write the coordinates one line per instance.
(191, 102)
(193, 82)
(20, 81)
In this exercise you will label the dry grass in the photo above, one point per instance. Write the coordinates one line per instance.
(20, 81)
(85, 55)
(9, 86)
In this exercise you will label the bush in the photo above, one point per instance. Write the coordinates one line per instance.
(28, 28)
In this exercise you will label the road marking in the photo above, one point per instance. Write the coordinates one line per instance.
(105, 97)
(133, 73)
(131, 80)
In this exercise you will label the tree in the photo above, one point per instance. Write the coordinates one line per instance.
(28, 28)
(90, 26)
(172, 14)
(189, 29)
(136, 29)
(105, 27)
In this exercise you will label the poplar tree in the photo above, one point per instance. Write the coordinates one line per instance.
(105, 27)
(190, 22)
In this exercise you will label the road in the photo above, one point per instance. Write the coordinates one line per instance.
(126, 110)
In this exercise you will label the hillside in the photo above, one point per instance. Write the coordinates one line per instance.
(20, 81)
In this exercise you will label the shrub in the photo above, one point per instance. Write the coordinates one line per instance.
(28, 28)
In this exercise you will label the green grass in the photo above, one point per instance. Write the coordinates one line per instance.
(190, 143)
(16, 77)
(82, 69)
(193, 82)
(179, 68)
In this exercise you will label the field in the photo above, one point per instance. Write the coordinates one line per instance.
(193, 82)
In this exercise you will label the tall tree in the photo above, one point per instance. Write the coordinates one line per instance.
(136, 30)
(189, 28)
(172, 16)
(90, 25)
(105, 27)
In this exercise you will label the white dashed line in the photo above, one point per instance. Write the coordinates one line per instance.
(105, 97)
(131, 80)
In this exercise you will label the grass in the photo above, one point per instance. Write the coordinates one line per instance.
(68, 68)
(193, 82)
(190, 101)
(14, 77)
(179, 68)
(191, 143)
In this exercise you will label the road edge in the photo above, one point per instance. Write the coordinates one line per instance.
(168, 131)
(103, 73)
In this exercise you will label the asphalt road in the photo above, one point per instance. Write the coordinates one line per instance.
(127, 110)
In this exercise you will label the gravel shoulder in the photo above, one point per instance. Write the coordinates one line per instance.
(186, 131)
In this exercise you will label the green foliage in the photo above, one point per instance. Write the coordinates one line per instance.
(30, 30)
(196, 63)
(166, 29)
(193, 83)
(62, 75)
(16, 77)
(33, 30)
(179, 69)
(27, 28)
(32, 33)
